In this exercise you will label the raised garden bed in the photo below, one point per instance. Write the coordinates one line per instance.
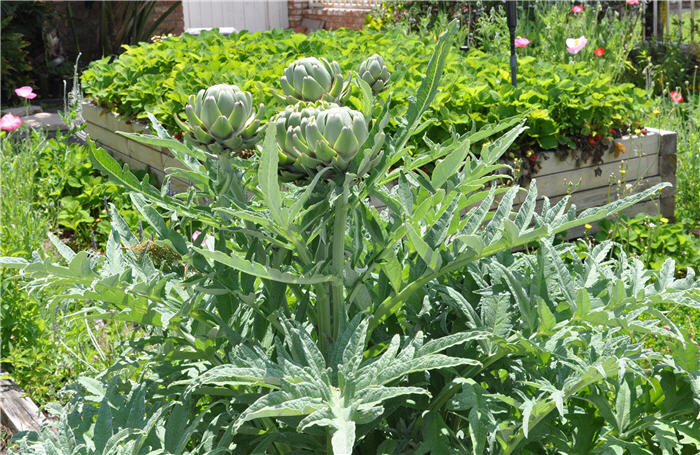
(647, 160)
(102, 127)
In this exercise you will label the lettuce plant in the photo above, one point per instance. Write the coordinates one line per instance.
(367, 307)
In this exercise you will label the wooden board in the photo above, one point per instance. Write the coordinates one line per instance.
(17, 411)
(603, 176)
(635, 146)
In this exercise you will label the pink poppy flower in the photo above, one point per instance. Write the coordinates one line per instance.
(599, 52)
(10, 122)
(577, 9)
(676, 96)
(574, 45)
(25, 92)
(633, 2)
(521, 42)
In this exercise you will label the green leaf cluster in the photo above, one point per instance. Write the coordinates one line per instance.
(563, 100)
(383, 311)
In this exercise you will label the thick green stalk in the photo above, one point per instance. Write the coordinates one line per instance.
(338, 252)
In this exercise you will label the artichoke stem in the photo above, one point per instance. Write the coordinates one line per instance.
(338, 287)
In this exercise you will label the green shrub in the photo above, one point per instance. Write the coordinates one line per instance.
(564, 100)
(654, 239)
(684, 118)
(40, 175)
(306, 320)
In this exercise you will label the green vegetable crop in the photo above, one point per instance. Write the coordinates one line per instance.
(563, 100)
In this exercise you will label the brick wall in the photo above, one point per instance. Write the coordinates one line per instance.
(174, 23)
(295, 12)
(333, 17)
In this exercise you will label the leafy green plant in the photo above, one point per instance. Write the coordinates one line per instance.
(565, 99)
(654, 240)
(128, 23)
(308, 319)
(39, 176)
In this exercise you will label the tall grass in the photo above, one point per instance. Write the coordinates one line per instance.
(684, 119)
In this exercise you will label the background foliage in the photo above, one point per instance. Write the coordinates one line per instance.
(41, 177)
(318, 324)
(564, 99)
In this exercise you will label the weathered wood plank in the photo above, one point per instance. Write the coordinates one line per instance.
(110, 120)
(604, 195)
(635, 146)
(591, 177)
(17, 411)
(106, 137)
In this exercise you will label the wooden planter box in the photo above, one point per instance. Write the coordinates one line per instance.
(648, 159)
(102, 125)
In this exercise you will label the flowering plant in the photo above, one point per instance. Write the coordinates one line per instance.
(10, 122)
(676, 96)
(26, 92)
(575, 45)
(521, 42)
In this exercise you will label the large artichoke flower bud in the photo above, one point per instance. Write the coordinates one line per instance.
(375, 73)
(221, 118)
(334, 136)
(311, 79)
(289, 124)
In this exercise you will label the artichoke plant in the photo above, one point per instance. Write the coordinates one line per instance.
(375, 73)
(221, 119)
(311, 79)
(310, 139)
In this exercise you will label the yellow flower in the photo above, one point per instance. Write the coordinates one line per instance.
(623, 172)
(664, 220)
(588, 226)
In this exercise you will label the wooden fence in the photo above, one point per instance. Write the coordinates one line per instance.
(252, 15)
(667, 14)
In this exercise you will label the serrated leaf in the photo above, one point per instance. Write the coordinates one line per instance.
(431, 257)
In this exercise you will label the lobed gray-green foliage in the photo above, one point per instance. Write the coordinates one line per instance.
(305, 320)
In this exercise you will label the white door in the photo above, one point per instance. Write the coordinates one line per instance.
(251, 15)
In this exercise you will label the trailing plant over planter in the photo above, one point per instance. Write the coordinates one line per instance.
(318, 324)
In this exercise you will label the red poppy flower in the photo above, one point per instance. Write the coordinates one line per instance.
(599, 52)
(577, 9)
(532, 157)
(612, 131)
(591, 141)
(178, 136)
(644, 131)
(676, 96)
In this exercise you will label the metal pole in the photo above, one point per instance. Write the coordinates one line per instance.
(692, 21)
(512, 16)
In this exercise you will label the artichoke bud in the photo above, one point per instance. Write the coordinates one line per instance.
(375, 73)
(335, 135)
(221, 119)
(310, 79)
